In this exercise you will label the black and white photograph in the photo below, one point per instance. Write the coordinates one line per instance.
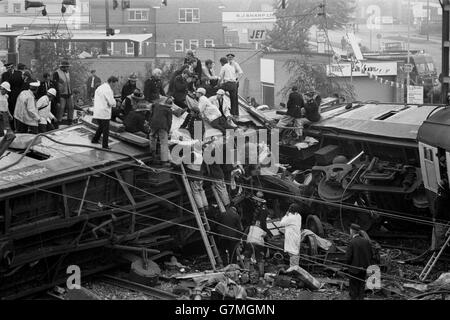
(225, 158)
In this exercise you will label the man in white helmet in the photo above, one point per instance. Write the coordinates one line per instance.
(5, 89)
(44, 109)
(211, 113)
(26, 114)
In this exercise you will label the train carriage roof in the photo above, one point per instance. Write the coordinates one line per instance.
(60, 160)
(435, 131)
(387, 121)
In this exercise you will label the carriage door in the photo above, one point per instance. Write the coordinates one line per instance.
(429, 162)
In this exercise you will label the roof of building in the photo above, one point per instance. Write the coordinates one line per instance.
(77, 35)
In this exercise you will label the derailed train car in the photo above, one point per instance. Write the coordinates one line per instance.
(368, 158)
(64, 201)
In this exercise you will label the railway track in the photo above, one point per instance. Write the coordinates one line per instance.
(134, 286)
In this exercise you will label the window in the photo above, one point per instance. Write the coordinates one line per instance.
(193, 44)
(129, 47)
(179, 45)
(209, 43)
(268, 94)
(189, 15)
(138, 15)
(16, 7)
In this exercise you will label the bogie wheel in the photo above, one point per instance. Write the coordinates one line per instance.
(314, 224)
(312, 243)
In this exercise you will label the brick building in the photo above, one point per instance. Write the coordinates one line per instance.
(181, 25)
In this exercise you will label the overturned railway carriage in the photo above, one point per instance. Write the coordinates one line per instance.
(62, 204)
(390, 169)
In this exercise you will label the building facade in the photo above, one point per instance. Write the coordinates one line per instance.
(15, 14)
(177, 27)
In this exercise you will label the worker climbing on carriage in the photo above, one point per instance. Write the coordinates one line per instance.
(301, 110)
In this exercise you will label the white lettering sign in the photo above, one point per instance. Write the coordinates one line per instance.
(261, 16)
(415, 95)
(256, 35)
(362, 69)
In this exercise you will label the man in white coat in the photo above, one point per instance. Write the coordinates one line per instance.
(292, 222)
(103, 103)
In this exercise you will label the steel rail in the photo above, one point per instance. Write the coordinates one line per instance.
(135, 286)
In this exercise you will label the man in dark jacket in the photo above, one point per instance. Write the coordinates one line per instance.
(196, 64)
(359, 257)
(136, 121)
(231, 229)
(441, 213)
(160, 124)
(14, 77)
(312, 103)
(294, 112)
(92, 83)
(129, 87)
(153, 87)
(179, 89)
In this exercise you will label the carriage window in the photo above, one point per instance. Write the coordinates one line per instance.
(428, 154)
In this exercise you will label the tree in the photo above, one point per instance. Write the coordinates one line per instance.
(52, 53)
(309, 77)
(291, 30)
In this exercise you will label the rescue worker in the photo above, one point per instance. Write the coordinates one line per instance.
(230, 226)
(129, 104)
(292, 222)
(255, 247)
(61, 78)
(130, 86)
(44, 109)
(179, 88)
(195, 172)
(5, 89)
(15, 80)
(294, 112)
(359, 257)
(92, 83)
(223, 104)
(160, 124)
(228, 81)
(442, 215)
(211, 113)
(153, 87)
(26, 114)
(103, 103)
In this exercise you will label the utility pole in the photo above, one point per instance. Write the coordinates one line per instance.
(408, 75)
(428, 20)
(445, 49)
(105, 43)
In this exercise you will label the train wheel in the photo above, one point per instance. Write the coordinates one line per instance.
(314, 224)
(312, 243)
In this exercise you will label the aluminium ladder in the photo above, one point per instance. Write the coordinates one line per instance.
(203, 225)
(434, 258)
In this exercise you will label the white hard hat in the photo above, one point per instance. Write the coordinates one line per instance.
(52, 91)
(5, 85)
(201, 90)
(220, 91)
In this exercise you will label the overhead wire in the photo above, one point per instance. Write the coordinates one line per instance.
(187, 226)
